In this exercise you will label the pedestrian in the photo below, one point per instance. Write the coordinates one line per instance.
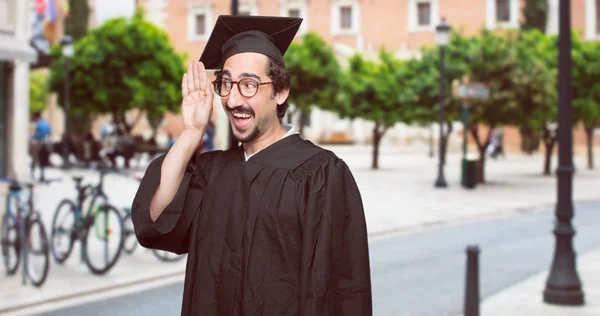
(39, 146)
(273, 227)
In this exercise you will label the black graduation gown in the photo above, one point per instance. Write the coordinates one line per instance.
(281, 234)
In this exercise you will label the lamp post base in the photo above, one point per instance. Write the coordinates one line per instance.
(564, 296)
(563, 286)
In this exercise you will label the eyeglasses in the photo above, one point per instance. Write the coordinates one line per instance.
(247, 87)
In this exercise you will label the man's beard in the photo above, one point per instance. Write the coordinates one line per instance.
(252, 136)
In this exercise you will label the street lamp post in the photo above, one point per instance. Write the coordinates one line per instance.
(563, 286)
(442, 39)
(67, 52)
(233, 142)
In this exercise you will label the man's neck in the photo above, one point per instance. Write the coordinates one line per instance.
(266, 140)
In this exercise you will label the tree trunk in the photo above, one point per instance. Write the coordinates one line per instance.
(549, 142)
(377, 135)
(589, 132)
(481, 148)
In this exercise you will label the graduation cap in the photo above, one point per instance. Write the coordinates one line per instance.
(233, 34)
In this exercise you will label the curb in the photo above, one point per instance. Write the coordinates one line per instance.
(98, 290)
(404, 230)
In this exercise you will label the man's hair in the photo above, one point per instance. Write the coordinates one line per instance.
(281, 78)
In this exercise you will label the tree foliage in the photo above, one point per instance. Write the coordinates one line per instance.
(586, 88)
(123, 64)
(38, 90)
(487, 58)
(535, 90)
(381, 91)
(314, 73)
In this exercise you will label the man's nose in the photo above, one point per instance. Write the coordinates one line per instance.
(235, 98)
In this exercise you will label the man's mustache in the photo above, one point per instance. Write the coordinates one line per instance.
(240, 108)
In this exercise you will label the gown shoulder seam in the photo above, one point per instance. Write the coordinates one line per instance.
(311, 165)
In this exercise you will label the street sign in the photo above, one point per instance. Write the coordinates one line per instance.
(474, 90)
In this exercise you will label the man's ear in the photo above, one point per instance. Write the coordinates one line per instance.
(282, 95)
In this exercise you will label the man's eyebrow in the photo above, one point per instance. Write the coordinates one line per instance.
(249, 74)
(242, 75)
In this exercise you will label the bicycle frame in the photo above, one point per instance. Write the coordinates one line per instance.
(20, 220)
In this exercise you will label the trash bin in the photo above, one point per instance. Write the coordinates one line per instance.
(469, 167)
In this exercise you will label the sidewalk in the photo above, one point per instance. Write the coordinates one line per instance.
(526, 298)
(400, 197)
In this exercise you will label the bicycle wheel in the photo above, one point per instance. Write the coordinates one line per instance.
(62, 231)
(37, 254)
(10, 245)
(167, 256)
(103, 239)
(129, 240)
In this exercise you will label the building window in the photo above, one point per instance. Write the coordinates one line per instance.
(294, 13)
(423, 15)
(502, 11)
(424, 11)
(199, 22)
(296, 9)
(502, 14)
(345, 17)
(248, 7)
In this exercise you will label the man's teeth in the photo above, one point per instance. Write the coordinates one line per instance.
(242, 115)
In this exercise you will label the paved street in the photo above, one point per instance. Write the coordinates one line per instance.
(421, 273)
(398, 198)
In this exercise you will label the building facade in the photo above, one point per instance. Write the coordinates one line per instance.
(16, 56)
(403, 26)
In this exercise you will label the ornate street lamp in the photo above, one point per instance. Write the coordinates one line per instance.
(67, 52)
(563, 286)
(442, 40)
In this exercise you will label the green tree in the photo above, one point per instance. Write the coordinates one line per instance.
(314, 75)
(586, 89)
(38, 90)
(123, 64)
(535, 15)
(76, 23)
(491, 60)
(428, 84)
(379, 91)
(535, 89)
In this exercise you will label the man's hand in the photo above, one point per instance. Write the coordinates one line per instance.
(196, 107)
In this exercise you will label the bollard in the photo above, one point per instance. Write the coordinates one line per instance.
(472, 283)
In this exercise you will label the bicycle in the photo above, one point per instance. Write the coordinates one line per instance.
(130, 241)
(97, 220)
(21, 244)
